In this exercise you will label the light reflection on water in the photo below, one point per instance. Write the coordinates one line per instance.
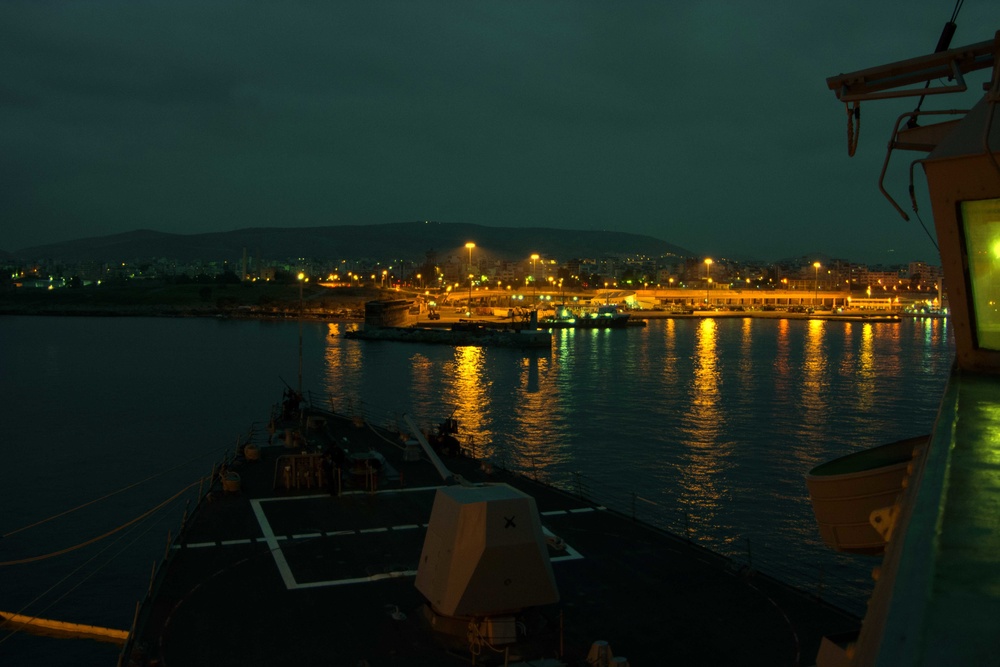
(714, 420)
(469, 391)
(711, 424)
(814, 394)
(701, 487)
(538, 420)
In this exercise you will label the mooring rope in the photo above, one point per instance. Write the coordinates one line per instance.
(32, 559)
(106, 496)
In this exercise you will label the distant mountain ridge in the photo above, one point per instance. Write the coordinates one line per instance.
(398, 240)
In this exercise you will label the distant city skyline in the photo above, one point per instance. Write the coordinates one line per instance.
(706, 125)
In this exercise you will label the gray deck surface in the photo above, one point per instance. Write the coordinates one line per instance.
(269, 576)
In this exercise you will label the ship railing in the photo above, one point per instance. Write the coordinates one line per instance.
(206, 486)
(830, 581)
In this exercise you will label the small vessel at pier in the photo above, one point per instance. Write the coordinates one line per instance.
(605, 317)
(385, 320)
(480, 336)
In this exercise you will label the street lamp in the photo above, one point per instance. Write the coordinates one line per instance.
(534, 258)
(708, 276)
(470, 245)
(816, 283)
(302, 280)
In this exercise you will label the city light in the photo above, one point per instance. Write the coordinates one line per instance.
(816, 283)
(470, 245)
(534, 258)
(302, 280)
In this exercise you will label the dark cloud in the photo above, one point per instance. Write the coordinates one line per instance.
(708, 125)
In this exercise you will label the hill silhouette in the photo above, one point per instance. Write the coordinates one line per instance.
(400, 240)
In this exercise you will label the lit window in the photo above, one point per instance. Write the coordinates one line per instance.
(981, 221)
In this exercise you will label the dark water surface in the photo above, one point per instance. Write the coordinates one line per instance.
(706, 427)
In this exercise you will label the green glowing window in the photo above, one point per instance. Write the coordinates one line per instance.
(981, 221)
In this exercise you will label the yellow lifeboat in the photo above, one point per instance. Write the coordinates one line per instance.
(846, 491)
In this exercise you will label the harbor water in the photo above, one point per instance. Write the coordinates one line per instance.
(705, 427)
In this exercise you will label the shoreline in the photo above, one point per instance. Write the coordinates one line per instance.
(355, 315)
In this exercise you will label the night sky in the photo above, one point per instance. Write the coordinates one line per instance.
(705, 124)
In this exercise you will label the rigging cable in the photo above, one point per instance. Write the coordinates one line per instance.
(35, 615)
(913, 202)
(944, 41)
(32, 559)
(105, 497)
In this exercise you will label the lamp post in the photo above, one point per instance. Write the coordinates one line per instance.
(302, 279)
(816, 283)
(708, 276)
(534, 283)
(470, 245)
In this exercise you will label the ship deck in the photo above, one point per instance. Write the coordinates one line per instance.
(286, 571)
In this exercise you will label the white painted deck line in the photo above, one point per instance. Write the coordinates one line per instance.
(571, 553)
(285, 570)
(359, 580)
(272, 543)
(416, 489)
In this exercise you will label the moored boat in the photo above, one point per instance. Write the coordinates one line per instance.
(605, 317)
(480, 336)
